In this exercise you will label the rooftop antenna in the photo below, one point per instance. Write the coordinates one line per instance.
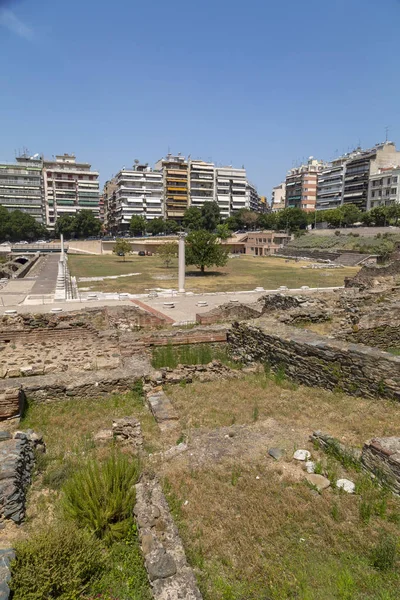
(386, 132)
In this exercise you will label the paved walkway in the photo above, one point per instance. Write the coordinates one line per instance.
(46, 280)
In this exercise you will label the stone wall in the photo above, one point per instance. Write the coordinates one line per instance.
(11, 402)
(369, 276)
(316, 360)
(169, 574)
(381, 456)
(16, 466)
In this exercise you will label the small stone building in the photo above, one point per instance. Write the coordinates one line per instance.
(265, 243)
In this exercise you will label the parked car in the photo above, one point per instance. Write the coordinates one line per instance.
(142, 253)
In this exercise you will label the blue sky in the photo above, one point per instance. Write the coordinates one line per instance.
(261, 84)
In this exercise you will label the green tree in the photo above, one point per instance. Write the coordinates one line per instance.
(86, 224)
(171, 226)
(223, 231)
(204, 250)
(23, 226)
(121, 247)
(5, 233)
(211, 216)
(137, 225)
(350, 214)
(232, 222)
(168, 252)
(192, 219)
(394, 212)
(379, 216)
(266, 220)
(66, 225)
(292, 219)
(247, 218)
(156, 226)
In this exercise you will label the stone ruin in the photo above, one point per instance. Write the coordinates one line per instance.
(17, 460)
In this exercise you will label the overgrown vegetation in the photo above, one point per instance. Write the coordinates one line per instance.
(82, 541)
(101, 496)
(58, 561)
(191, 354)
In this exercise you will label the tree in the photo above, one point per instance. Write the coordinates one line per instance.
(86, 224)
(168, 252)
(22, 226)
(232, 222)
(156, 226)
(379, 216)
(66, 225)
(121, 247)
(292, 219)
(192, 219)
(137, 225)
(171, 226)
(204, 250)
(223, 231)
(247, 218)
(211, 216)
(350, 214)
(266, 220)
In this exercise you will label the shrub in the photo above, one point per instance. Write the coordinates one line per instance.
(57, 474)
(383, 556)
(101, 496)
(57, 562)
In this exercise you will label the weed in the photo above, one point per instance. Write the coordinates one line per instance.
(267, 369)
(58, 474)
(63, 559)
(346, 586)
(180, 439)
(318, 468)
(280, 375)
(365, 511)
(383, 555)
(236, 474)
(335, 513)
(101, 496)
(183, 383)
(137, 388)
(256, 412)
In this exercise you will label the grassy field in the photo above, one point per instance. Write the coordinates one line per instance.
(243, 273)
(252, 527)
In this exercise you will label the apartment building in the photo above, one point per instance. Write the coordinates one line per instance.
(232, 192)
(331, 182)
(254, 200)
(301, 185)
(201, 182)
(135, 192)
(68, 187)
(361, 167)
(278, 197)
(384, 188)
(21, 186)
(176, 185)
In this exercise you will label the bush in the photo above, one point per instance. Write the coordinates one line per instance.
(101, 496)
(57, 474)
(57, 562)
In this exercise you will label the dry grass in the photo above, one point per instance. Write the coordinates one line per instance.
(252, 527)
(226, 402)
(68, 426)
(243, 273)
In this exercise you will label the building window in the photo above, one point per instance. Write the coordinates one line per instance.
(393, 191)
(373, 194)
(394, 179)
(387, 192)
(388, 181)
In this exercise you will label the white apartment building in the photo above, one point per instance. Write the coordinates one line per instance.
(231, 187)
(201, 182)
(68, 187)
(384, 188)
(278, 197)
(253, 197)
(21, 186)
(138, 192)
(331, 183)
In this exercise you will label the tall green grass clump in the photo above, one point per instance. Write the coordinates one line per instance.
(101, 496)
(60, 561)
